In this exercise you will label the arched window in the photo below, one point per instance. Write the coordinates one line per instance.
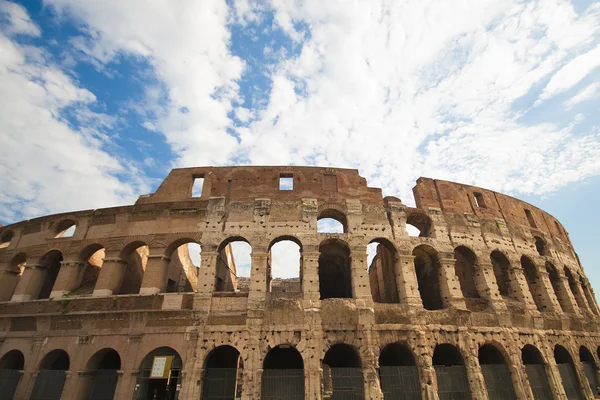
(553, 277)
(590, 369)
(342, 370)
(233, 266)
(381, 258)
(331, 221)
(51, 376)
(283, 374)
(567, 373)
(418, 224)
(12, 277)
(159, 374)
(11, 367)
(101, 376)
(284, 265)
(136, 258)
(575, 289)
(495, 372)
(398, 372)
(587, 291)
(65, 229)
(223, 374)
(5, 239)
(540, 246)
(451, 374)
(465, 268)
(50, 266)
(427, 269)
(536, 372)
(182, 274)
(93, 258)
(501, 265)
(334, 270)
(531, 276)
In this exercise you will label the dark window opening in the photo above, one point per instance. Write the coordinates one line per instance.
(568, 376)
(540, 246)
(51, 263)
(14, 359)
(197, 186)
(342, 373)
(575, 289)
(479, 200)
(465, 269)
(283, 357)
(56, 360)
(553, 277)
(531, 277)
(223, 374)
(286, 182)
(334, 270)
(590, 369)
(157, 387)
(396, 355)
(497, 377)
(92, 258)
(398, 373)
(530, 219)
(489, 354)
(450, 372)
(536, 372)
(501, 265)
(427, 269)
(342, 356)
(136, 257)
(5, 239)
(381, 258)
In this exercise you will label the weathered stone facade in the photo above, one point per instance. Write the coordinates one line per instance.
(491, 288)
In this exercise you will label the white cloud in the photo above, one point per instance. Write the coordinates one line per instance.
(590, 92)
(18, 20)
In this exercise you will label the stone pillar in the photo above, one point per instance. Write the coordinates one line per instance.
(312, 378)
(427, 377)
(370, 368)
(578, 296)
(310, 273)
(8, 282)
(548, 298)
(584, 384)
(361, 287)
(523, 381)
(487, 287)
(156, 274)
(566, 299)
(406, 280)
(474, 374)
(589, 295)
(110, 277)
(31, 283)
(449, 284)
(519, 288)
(207, 272)
(69, 277)
(258, 277)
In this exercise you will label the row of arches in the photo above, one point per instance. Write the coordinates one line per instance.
(284, 271)
(160, 373)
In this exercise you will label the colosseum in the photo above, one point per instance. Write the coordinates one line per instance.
(487, 301)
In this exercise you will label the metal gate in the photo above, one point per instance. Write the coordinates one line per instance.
(538, 382)
(400, 383)
(104, 383)
(9, 379)
(347, 384)
(498, 381)
(452, 382)
(219, 384)
(282, 384)
(569, 381)
(48, 385)
(592, 377)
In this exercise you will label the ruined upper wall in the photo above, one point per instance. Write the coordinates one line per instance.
(457, 198)
(249, 183)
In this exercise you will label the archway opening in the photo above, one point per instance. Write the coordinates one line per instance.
(568, 376)
(92, 258)
(531, 276)
(382, 261)
(5, 239)
(335, 279)
(51, 266)
(65, 229)
(11, 369)
(332, 221)
(587, 291)
(536, 372)
(233, 266)
(12, 276)
(501, 266)
(398, 372)
(540, 246)
(182, 273)
(159, 375)
(342, 371)
(51, 376)
(223, 374)
(590, 369)
(284, 265)
(450, 371)
(418, 224)
(575, 289)
(136, 259)
(102, 375)
(283, 374)
(553, 277)
(497, 377)
(465, 269)
(427, 269)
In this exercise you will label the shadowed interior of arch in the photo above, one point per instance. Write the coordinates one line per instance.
(496, 374)
(223, 368)
(501, 265)
(334, 270)
(568, 375)
(381, 261)
(427, 269)
(450, 372)
(536, 372)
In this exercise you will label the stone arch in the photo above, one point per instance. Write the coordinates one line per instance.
(382, 272)
(554, 282)
(65, 228)
(92, 258)
(501, 266)
(450, 371)
(50, 264)
(228, 270)
(535, 369)
(162, 384)
(278, 278)
(496, 373)
(427, 268)
(541, 246)
(421, 221)
(52, 373)
(5, 239)
(10, 279)
(590, 368)
(283, 374)
(12, 365)
(135, 254)
(101, 375)
(185, 259)
(532, 278)
(12, 360)
(568, 376)
(335, 275)
(329, 215)
(398, 372)
(222, 376)
(589, 296)
(342, 371)
(575, 289)
(465, 268)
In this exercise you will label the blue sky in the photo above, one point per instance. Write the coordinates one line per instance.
(100, 99)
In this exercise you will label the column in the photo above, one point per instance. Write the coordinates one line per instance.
(549, 300)
(310, 273)
(449, 284)
(31, 283)
(370, 367)
(258, 276)
(487, 287)
(427, 376)
(8, 282)
(567, 301)
(474, 374)
(519, 288)
(156, 274)
(110, 277)
(361, 287)
(406, 280)
(69, 277)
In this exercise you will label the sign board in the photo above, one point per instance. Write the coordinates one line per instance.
(161, 367)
